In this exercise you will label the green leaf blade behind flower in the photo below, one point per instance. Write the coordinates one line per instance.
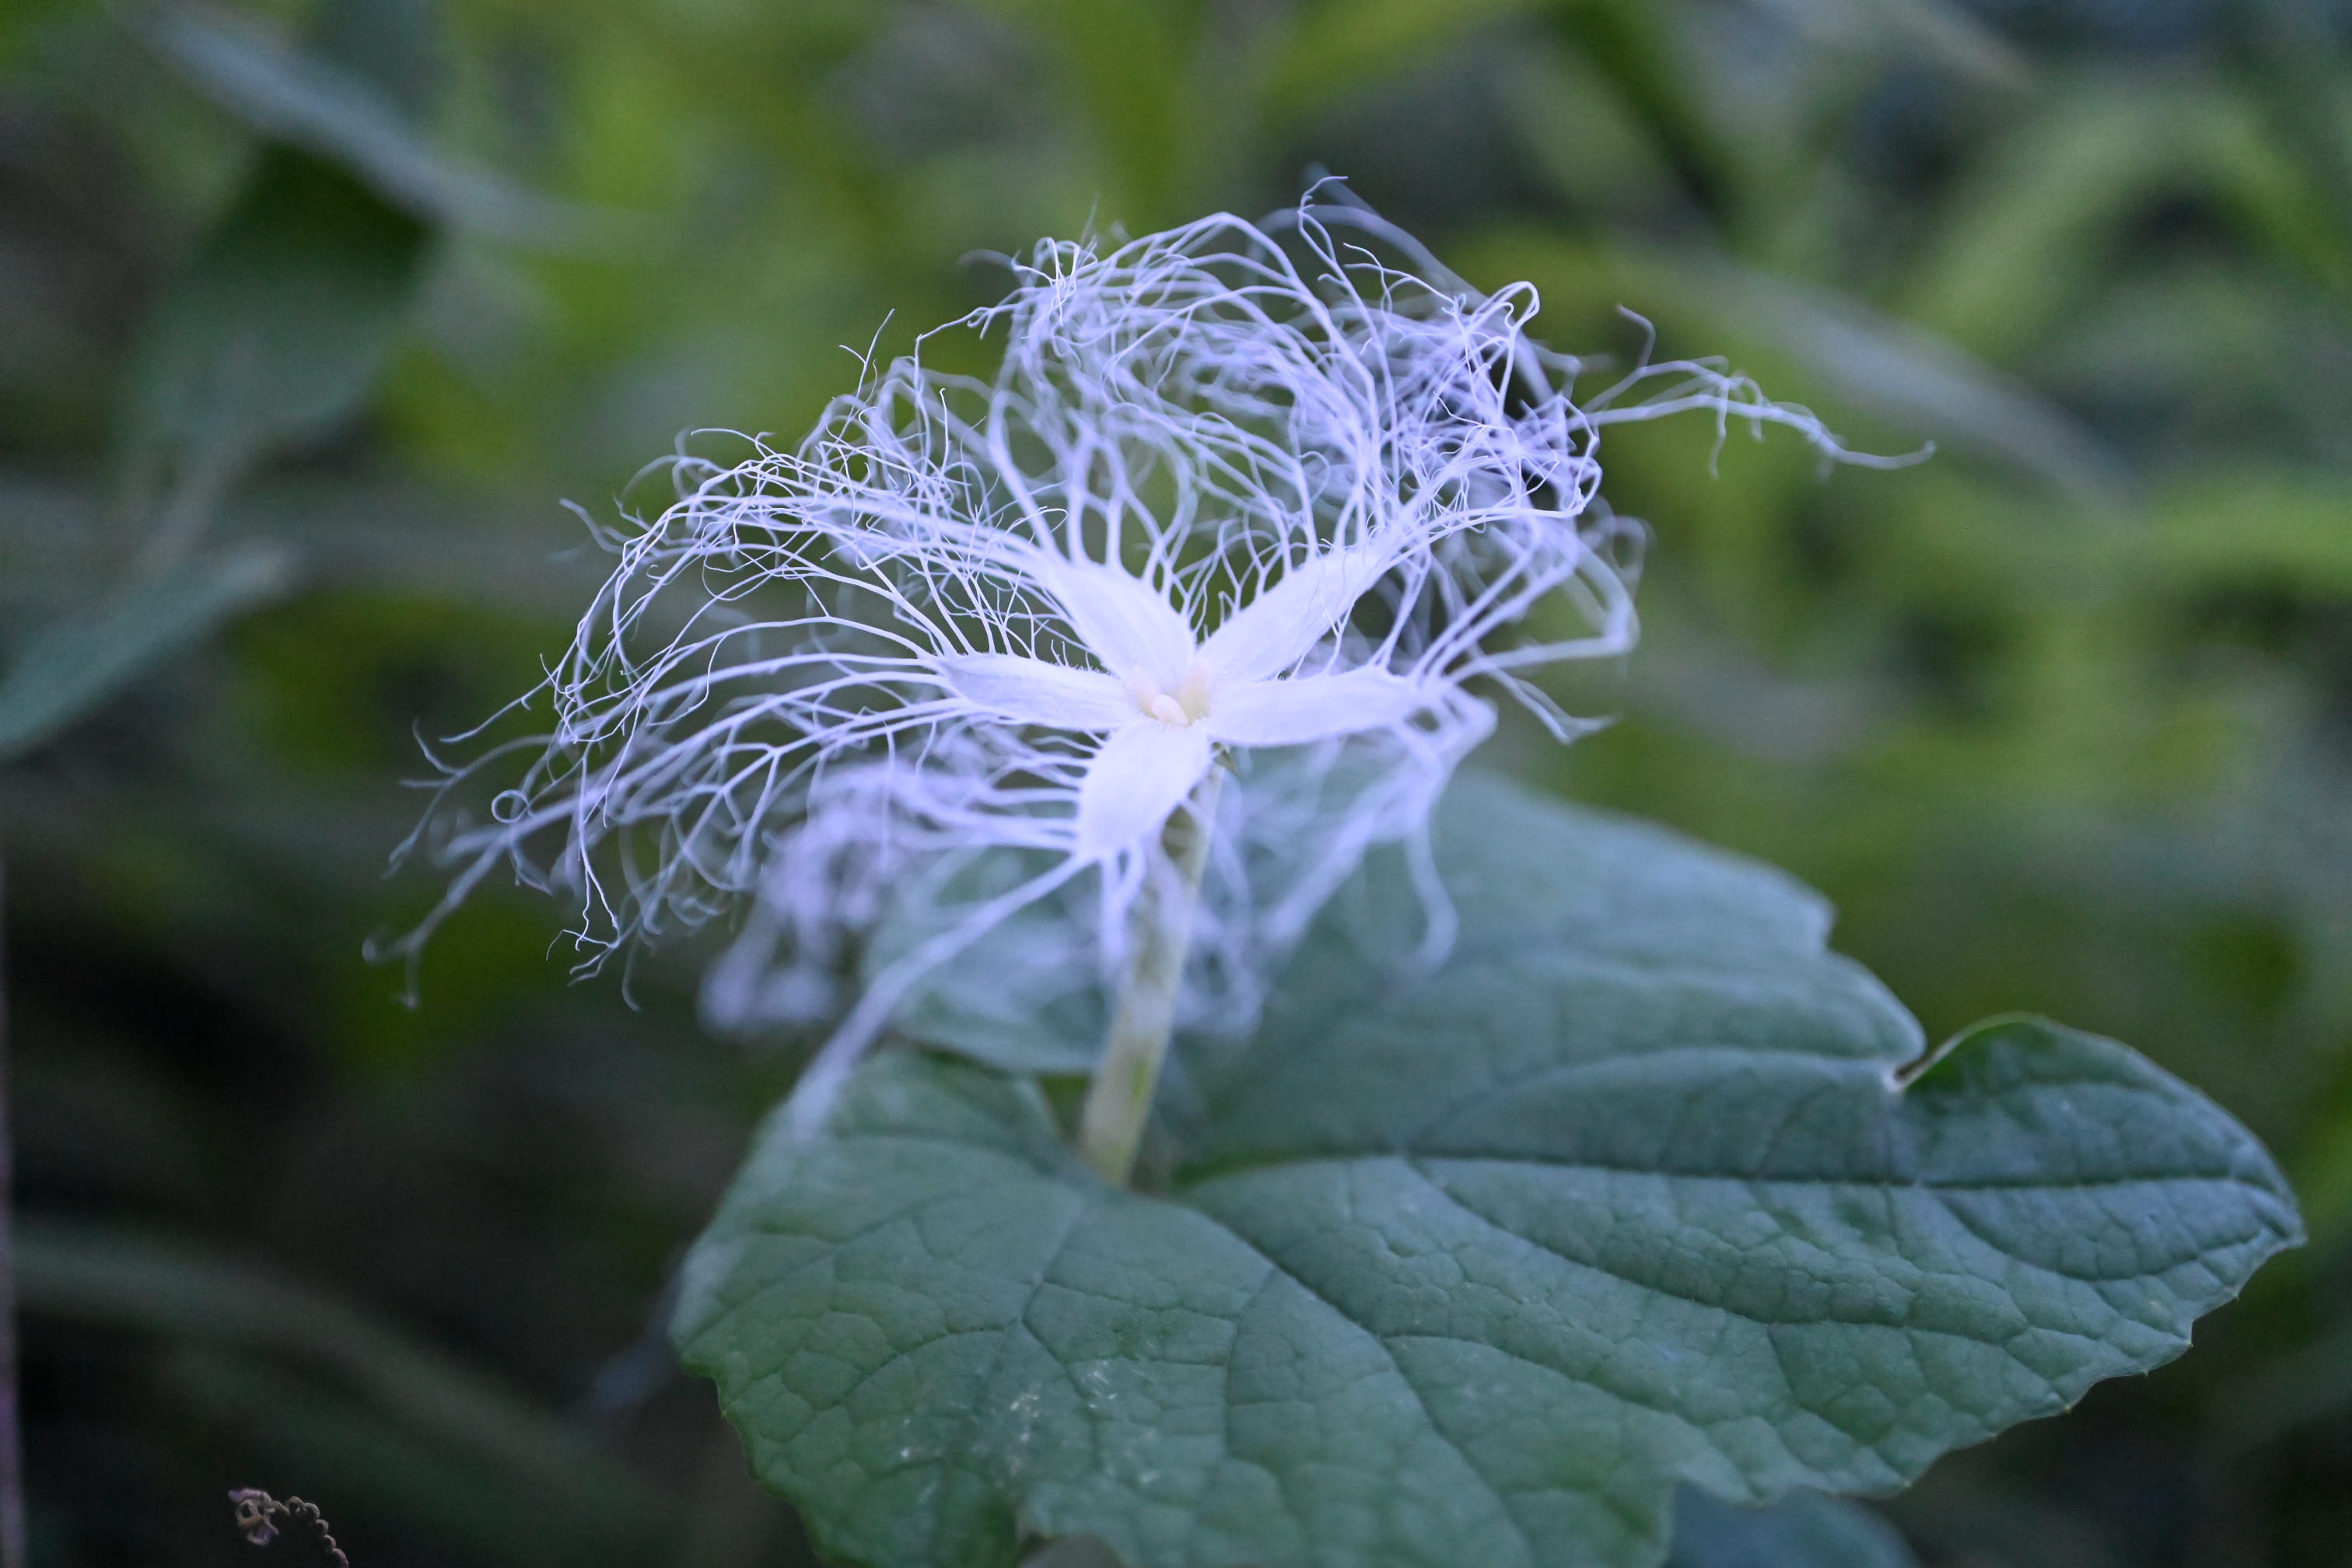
(1473, 1266)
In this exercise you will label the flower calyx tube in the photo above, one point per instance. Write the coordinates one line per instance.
(1118, 1100)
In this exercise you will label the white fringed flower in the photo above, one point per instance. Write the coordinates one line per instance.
(1239, 497)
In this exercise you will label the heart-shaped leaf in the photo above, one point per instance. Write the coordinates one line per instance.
(1470, 1267)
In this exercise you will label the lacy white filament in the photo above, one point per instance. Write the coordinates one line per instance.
(1240, 496)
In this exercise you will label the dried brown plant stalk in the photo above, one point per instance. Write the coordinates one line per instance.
(258, 1513)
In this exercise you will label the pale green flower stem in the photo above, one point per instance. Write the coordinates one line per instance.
(1119, 1101)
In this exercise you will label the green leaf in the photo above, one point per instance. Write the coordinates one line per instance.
(2244, 524)
(337, 114)
(1938, 33)
(1475, 1266)
(1333, 46)
(1891, 369)
(2048, 214)
(995, 1003)
(1803, 1530)
(278, 330)
(1910, 376)
(72, 667)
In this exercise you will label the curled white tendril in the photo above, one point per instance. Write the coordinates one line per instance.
(1267, 498)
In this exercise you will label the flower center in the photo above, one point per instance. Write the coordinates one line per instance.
(1188, 704)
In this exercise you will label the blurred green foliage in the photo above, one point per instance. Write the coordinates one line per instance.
(311, 313)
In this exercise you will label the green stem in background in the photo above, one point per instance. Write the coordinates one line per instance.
(1119, 1101)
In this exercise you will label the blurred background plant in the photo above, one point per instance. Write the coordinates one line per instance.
(311, 313)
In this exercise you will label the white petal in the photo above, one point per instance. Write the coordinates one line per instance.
(1123, 620)
(1282, 625)
(1306, 708)
(1139, 777)
(1031, 691)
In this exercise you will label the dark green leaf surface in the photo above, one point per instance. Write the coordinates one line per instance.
(1803, 1530)
(1472, 1267)
(75, 665)
(279, 327)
